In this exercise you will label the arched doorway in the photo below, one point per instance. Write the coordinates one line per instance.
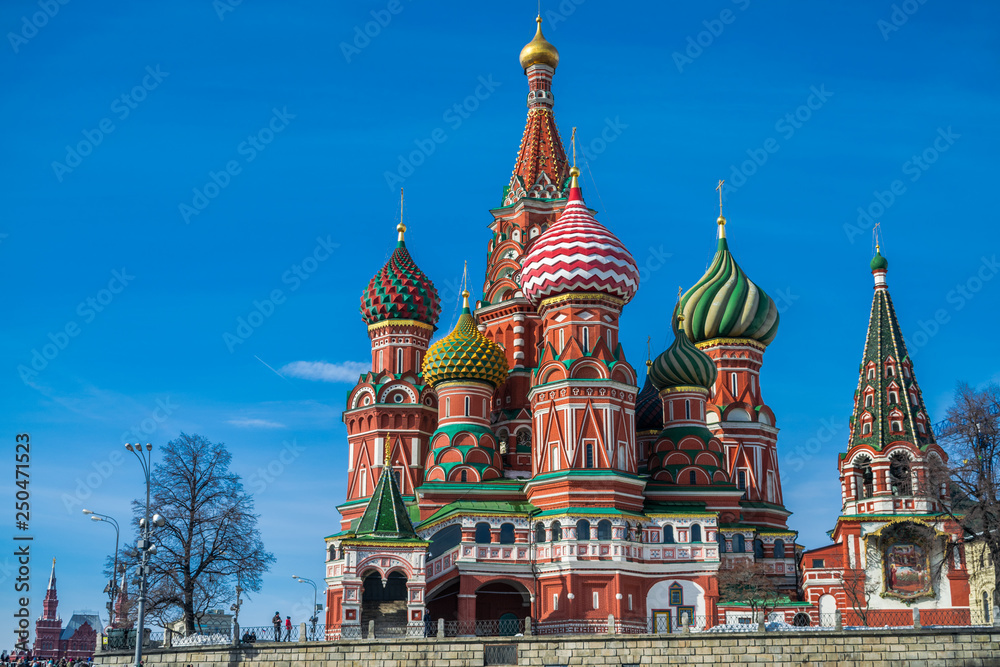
(384, 603)
(442, 602)
(827, 609)
(502, 603)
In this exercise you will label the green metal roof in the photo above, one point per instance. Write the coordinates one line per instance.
(481, 507)
(386, 516)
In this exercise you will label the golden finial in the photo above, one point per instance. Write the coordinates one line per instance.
(876, 234)
(465, 285)
(401, 228)
(722, 219)
(539, 51)
(680, 311)
(649, 352)
(388, 449)
(573, 171)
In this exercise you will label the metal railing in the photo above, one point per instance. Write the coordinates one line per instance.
(266, 633)
(484, 628)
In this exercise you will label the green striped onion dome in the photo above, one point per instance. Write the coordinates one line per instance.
(879, 262)
(400, 291)
(465, 354)
(726, 304)
(682, 364)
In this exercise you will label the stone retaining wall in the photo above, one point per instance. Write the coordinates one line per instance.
(913, 648)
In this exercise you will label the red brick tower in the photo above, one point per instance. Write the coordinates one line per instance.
(48, 627)
(531, 202)
(401, 308)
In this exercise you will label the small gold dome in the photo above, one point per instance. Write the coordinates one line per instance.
(538, 50)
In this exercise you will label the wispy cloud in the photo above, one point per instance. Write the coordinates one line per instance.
(323, 371)
(255, 423)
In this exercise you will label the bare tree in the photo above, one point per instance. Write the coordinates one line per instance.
(859, 587)
(972, 440)
(210, 539)
(750, 584)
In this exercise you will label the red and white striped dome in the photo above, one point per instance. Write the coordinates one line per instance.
(578, 254)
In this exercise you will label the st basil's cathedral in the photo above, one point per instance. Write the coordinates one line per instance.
(529, 474)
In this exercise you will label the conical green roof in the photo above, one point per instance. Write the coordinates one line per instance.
(465, 354)
(725, 303)
(386, 517)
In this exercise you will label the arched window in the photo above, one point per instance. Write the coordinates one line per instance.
(668, 534)
(556, 531)
(721, 539)
(604, 529)
(507, 533)
(779, 548)
(483, 533)
(732, 384)
(758, 549)
(628, 531)
(687, 408)
(443, 540)
(986, 607)
(739, 543)
(866, 428)
(465, 476)
(586, 339)
(897, 426)
(692, 477)
(893, 397)
(583, 529)
(867, 478)
(467, 406)
(899, 475)
(869, 400)
(539, 532)
(696, 533)
(399, 361)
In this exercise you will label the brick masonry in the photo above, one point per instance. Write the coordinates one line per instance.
(913, 648)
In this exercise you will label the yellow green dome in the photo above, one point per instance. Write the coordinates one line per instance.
(465, 354)
(539, 50)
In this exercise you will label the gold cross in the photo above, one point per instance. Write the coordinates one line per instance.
(719, 188)
(572, 139)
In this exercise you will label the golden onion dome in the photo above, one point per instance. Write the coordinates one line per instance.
(539, 51)
(465, 354)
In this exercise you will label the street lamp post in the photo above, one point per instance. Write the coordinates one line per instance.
(313, 618)
(113, 588)
(145, 545)
(235, 608)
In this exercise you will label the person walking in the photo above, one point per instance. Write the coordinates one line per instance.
(276, 622)
(288, 628)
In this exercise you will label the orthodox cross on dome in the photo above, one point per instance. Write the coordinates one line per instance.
(401, 228)
(722, 219)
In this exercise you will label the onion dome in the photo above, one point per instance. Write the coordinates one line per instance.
(725, 303)
(648, 407)
(400, 291)
(682, 364)
(539, 51)
(465, 354)
(879, 263)
(578, 254)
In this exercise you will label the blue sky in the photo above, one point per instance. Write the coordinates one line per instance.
(287, 123)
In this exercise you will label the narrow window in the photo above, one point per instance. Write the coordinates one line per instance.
(555, 602)
(610, 346)
(364, 481)
(597, 601)
(539, 532)
(399, 361)
(630, 601)
(484, 408)
(586, 340)
(687, 409)
(866, 428)
(732, 383)
(380, 362)
(555, 457)
(447, 407)
(696, 533)
(742, 480)
(590, 456)
(668, 534)
(467, 406)
(692, 478)
(465, 475)
(869, 400)
(562, 339)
